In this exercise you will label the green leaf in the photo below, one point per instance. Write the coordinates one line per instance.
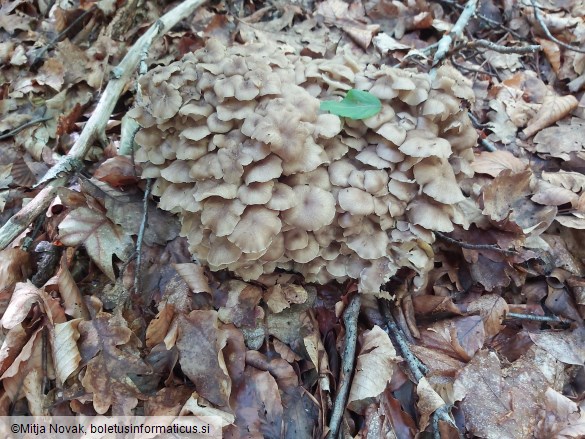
(357, 104)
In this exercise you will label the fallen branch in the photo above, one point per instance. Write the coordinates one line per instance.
(470, 246)
(547, 32)
(95, 126)
(350, 318)
(444, 43)
(485, 44)
(533, 317)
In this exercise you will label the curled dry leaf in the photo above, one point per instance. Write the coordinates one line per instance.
(553, 109)
(24, 296)
(492, 163)
(374, 368)
(194, 276)
(101, 237)
(66, 354)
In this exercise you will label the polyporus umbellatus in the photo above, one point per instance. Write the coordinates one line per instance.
(262, 179)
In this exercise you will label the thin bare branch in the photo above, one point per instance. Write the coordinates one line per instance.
(445, 43)
(350, 318)
(547, 32)
(469, 246)
(18, 129)
(485, 44)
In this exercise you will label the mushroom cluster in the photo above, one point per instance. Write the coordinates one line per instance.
(262, 179)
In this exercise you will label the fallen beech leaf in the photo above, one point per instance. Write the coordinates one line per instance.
(492, 309)
(200, 344)
(374, 368)
(101, 238)
(492, 163)
(194, 276)
(106, 344)
(564, 346)
(23, 297)
(66, 354)
(553, 109)
(118, 171)
(552, 53)
(428, 402)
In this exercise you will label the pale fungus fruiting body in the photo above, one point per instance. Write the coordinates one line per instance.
(262, 179)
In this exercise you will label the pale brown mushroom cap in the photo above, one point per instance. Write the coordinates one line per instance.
(356, 201)
(315, 208)
(256, 229)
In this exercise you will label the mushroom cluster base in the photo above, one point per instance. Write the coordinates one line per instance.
(262, 179)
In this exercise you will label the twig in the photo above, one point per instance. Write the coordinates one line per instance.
(456, 31)
(488, 146)
(23, 126)
(503, 49)
(491, 22)
(469, 246)
(533, 317)
(416, 367)
(140, 238)
(475, 121)
(20, 221)
(350, 318)
(95, 126)
(547, 32)
(39, 56)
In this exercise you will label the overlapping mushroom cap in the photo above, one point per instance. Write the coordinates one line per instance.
(262, 179)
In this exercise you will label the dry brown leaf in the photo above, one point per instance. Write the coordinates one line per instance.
(492, 309)
(552, 53)
(106, 344)
(118, 171)
(428, 402)
(200, 344)
(374, 368)
(72, 298)
(101, 238)
(194, 276)
(492, 163)
(65, 352)
(193, 407)
(554, 108)
(564, 346)
(460, 337)
(242, 305)
(158, 327)
(24, 297)
(561, 417)
(258, 405)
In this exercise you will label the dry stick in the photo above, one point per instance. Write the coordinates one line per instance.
(350, 318)
(533, 317)
(445, 43)
(39, 56)
(469, 246)
(95, 126)
(18, 129)
(547, 32)
(416, 367)
(485, 44)
(140, 238)
(488, 20)
(20, 221)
